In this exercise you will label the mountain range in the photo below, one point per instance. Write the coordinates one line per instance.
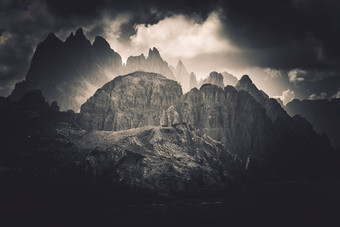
(148, 131)
(70, 72)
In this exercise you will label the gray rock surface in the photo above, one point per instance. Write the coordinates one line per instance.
(134, 100)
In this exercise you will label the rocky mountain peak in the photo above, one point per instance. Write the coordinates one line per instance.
(101, 43)
(80, 33)
(154, 54)
(130, 101)
(52, 38)
(179, 64)
(78, 40)
(246, 84)
(245, 80)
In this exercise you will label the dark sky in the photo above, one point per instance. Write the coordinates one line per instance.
(290, 46)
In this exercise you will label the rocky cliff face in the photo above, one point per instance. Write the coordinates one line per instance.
(134, 100)
(153, 63)
(259, 133)
(213, 78)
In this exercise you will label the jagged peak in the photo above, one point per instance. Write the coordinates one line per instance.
(52, 38)
(214, 73)
(245, 79)
(80, 33)
(101, 43)
(154, 53)
(70, 37)
(192, 74)
(179, 63)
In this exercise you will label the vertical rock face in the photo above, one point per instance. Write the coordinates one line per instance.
(214, 78)
(153, 63)
(258, 134)
(134, 100)
(69, 72)
(226, 115)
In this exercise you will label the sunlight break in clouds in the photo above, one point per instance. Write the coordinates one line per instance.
(286, 96)
(180, 36)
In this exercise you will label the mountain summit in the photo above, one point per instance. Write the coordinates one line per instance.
(69, 72)
(153, 63)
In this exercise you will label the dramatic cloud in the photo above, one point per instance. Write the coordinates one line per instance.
(296, 75)
(322, 95)
(272, 74)
(181, 36)
(286, 96)
(293, 43)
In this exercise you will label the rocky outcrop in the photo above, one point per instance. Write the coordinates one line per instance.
(134, 100)
(153, 63)
(69, 72)
(258, 134)
(214, 78)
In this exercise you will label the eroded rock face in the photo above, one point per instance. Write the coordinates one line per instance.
(226, 115)
(258, 134)
(134, 100)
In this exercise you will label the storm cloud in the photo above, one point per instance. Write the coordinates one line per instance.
(293, 42)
